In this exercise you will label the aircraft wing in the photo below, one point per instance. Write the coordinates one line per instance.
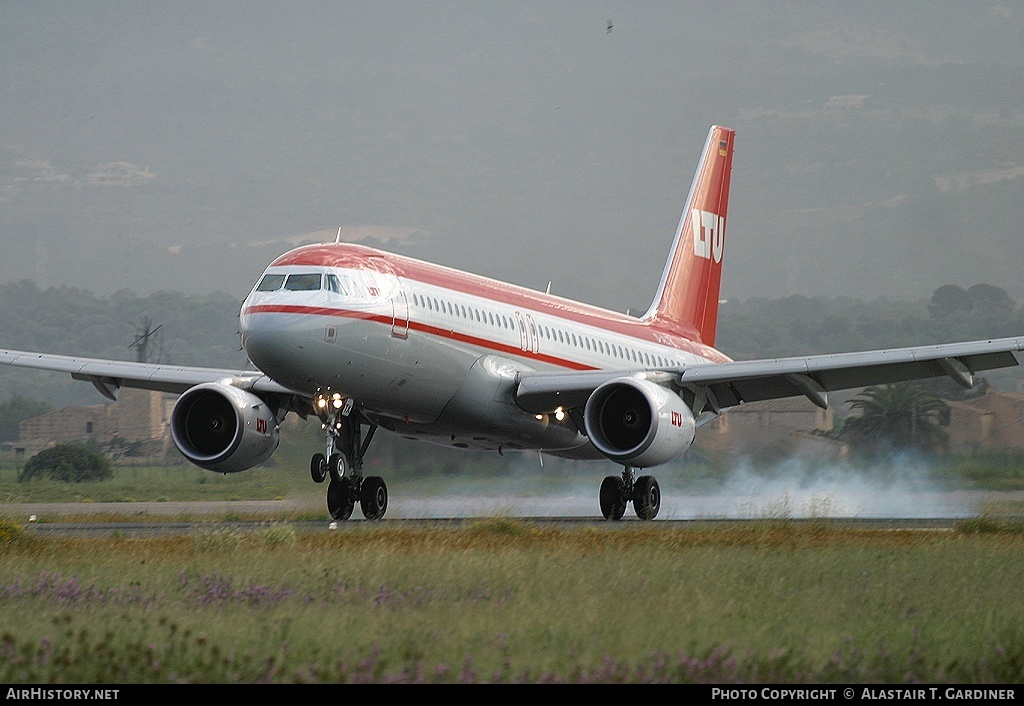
(109, 375)
(716, 387)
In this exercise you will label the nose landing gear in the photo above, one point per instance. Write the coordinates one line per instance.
(343, 462)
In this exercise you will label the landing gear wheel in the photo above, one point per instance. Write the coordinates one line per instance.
(336, 466)
(646, 497)
(318, 468)
(373, 497)
(613, 498)
(340, 499)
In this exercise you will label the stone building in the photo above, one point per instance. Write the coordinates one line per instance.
(785, 427)
(138, 420)
(993, 422)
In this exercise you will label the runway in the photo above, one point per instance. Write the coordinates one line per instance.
(933, 510)
(156, 529)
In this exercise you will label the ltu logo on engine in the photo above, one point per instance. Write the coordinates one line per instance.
(708, 234)
(261, 426)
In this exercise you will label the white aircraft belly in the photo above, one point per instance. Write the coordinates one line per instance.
(409, 378)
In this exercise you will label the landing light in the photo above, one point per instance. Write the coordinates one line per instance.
(559, 414)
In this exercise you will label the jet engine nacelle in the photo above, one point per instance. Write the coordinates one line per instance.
(223, 428)
(637, 422)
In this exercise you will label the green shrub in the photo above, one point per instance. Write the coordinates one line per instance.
(67, 463)
(10, 531)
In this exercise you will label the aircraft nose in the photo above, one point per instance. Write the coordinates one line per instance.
(272, 342)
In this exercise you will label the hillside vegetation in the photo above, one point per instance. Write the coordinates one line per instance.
(202, 329)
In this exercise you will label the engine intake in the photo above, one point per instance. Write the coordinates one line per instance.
(638, 422)
(223, 428)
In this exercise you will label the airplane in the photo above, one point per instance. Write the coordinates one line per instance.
(361, 339)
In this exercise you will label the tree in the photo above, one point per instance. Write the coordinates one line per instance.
(68, 463)
(979, 299)
(948, 299)
(897, 416)
(988, 300)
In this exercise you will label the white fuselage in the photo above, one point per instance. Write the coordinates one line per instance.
(432, 352)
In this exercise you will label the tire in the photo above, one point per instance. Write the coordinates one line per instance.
(613, 500)
(373, 497)
(340, 499)
(646, 497)
(336, 466)
(318, 468)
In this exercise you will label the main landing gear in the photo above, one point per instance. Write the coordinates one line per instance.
(343, 462)
(617, 491)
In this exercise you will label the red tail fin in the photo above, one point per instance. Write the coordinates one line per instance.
(687, 298)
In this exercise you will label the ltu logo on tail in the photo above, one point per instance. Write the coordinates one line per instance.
(708, 234)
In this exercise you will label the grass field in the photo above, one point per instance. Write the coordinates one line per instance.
(502, 599)
(505, 600)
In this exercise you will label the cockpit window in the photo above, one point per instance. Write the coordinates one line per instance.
(270, 283)
(303, 282)
(335, 285)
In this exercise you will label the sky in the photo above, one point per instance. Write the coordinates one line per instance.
(183, 146)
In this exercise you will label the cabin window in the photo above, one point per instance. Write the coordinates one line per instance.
(303, 283)
(270, 283)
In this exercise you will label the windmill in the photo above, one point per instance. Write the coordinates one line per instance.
(146, 341)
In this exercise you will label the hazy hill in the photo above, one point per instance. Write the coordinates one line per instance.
(202, 329)
(880, 146)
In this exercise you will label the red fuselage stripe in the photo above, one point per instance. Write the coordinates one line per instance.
(415, 325)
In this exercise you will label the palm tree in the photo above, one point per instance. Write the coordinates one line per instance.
(897, 416)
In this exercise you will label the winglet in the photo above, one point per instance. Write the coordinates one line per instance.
(687, 298)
